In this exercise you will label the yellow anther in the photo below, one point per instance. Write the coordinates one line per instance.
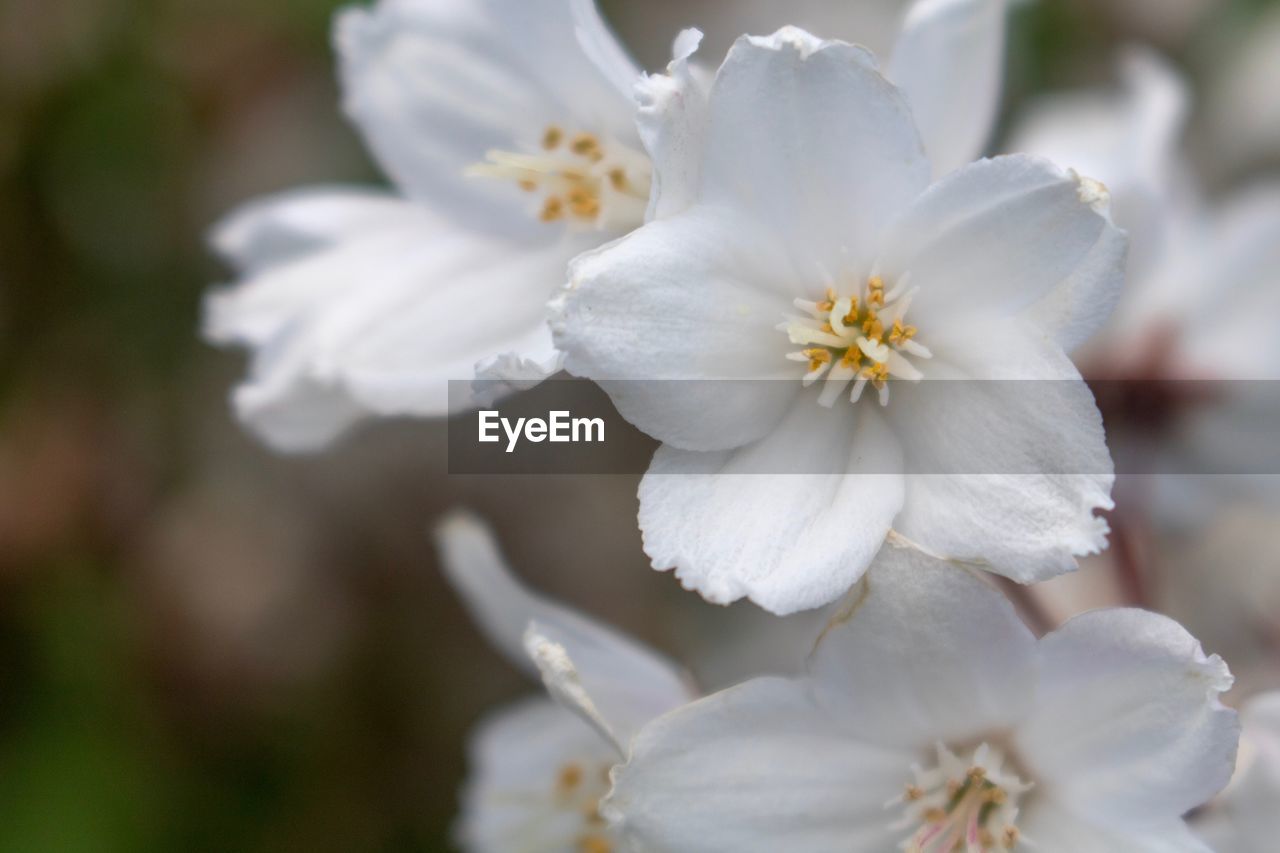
(900, 333)
(594, 844)
(552, 138)
(586, 145)
(879, 375)
(527, 185)
(1010, 837)
(826, 327)
(817, 357)
(852, 357)
(552, 209)
(852, 317)
(569, 778)
(995, 795)
(583, 203)
(977, 774)
(913, 793)
(828, 303)
(873, 328)
(934, 815)
(875, 291)
(618, 179)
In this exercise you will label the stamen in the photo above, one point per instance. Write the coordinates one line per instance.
(953, 808)
(846, 336)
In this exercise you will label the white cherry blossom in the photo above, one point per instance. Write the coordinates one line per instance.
(507, 130)
(539, 769)
(931, 720)
(797, 237)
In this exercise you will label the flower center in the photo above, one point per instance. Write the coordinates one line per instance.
(960, 804)
(862, 338)
(578, 178)
(579, 789)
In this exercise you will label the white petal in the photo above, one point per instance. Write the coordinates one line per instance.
(924, 651)
(1128, 728)
(1007, 462)
(1245, 818)
(996, 235)
(689, 298)
(291, 224)
(516, 756)
(672, 121)
(733, 524)
(1054, 828)
(809, 138)
(758, 767)
(434, 86)
(384, 322)
(1078, 306)
(948, 61)
(602, 47)
(627, 682)
(1127, 139)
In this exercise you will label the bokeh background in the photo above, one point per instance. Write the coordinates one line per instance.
(205, 646)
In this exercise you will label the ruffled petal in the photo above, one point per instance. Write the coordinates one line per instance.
(996, 236)
(757, 767)
(678, 301)
(733, 524)
(924, 651)
(628, 683)
(948, 60)
(672, 121)
(1128, 727)
(810, 139)
(1007, 459)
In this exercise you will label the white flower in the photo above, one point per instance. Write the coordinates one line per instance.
(1245, 818)
(507, 130)
(811, 204)
(932, 720)
(538, 769)
(1201, 298)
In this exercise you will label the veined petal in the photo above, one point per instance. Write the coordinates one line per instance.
(810, 139)
(627, 683)
(997, 235)
(672, 121)
(924, 651)
(533, 766)
(1054, 828)
(948, 60)
(433, 86)
(1127, 725)
(757, 767)
(1008, 460)
(733, 525)
(689, 298)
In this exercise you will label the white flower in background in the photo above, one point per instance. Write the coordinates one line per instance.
(1245, 818)
(538, 769)
(1239, 129)
(932, 720)
(507, 130)
(795, 222)
(1202, 292)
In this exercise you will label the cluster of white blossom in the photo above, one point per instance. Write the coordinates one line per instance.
(820, 221)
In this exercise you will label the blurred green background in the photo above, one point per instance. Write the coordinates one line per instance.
(204, 646)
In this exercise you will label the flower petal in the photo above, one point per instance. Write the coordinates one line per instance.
(288, 225)
(998, 235)
(1008, 462)
(1244, 819)
(757, 767)
(732, 526)
(1128, 726)
(924, 651)
(434, 86)
(689, 298)
(629, 683)
(1055, 829)
(672, 120)
(518, 757)
(948, 60)
(379, 324)
(810, 139)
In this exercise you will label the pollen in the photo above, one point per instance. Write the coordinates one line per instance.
(583, 179)
(594, 844)
(569, 778)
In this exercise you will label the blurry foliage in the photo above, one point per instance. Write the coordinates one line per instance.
(124, 128)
